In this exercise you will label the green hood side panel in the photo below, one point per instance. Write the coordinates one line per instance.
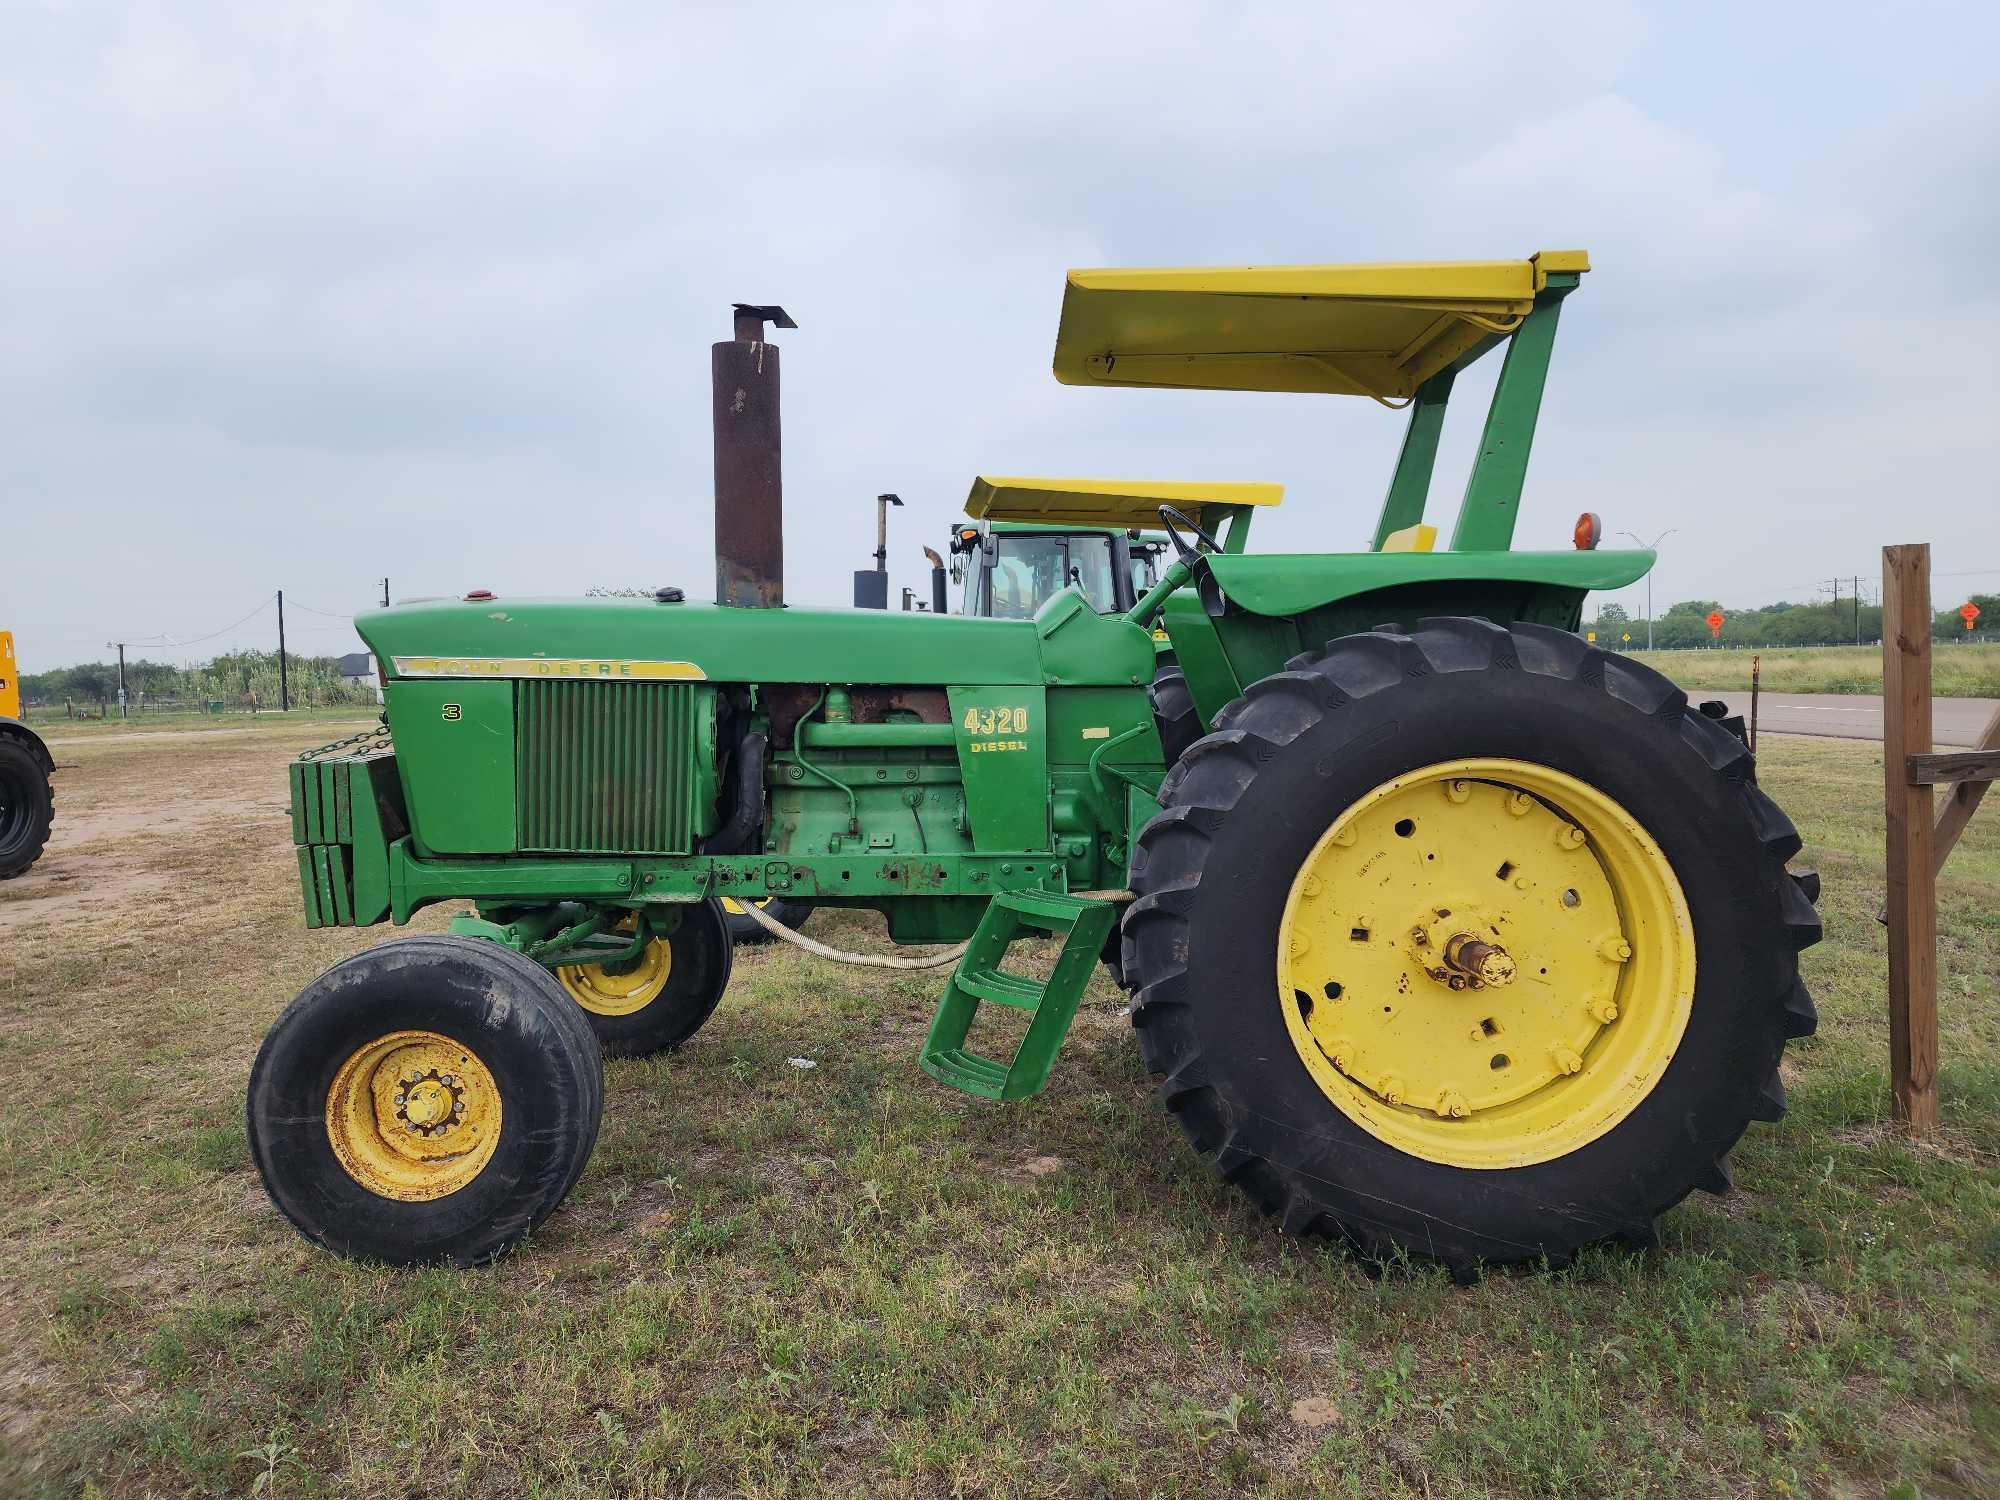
(727, 645)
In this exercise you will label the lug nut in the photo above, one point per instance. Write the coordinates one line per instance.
(1603, 1009)
(1451, 1105)
(1566, 1060)
(1519, 803)
(1616, 949)
(1458, 791)
(1391, 1090)
(1569, 836)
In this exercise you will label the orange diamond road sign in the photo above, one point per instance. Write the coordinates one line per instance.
(1715, 623)
(1969, 613)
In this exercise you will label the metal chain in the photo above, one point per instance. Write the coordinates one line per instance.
(378, 731)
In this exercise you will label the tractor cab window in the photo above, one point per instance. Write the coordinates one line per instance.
(1145, 569)
(1027, 570)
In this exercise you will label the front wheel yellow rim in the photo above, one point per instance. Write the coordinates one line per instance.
(413, 1116)
(1486, 963)
(620, 990)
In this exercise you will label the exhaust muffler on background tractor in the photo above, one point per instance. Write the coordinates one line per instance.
(749, 464)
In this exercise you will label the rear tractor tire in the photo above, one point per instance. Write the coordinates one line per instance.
(1472, 943)
(431, 1099)
(744, 929)
(657, 1001)
(27, 805)
(1174, 712)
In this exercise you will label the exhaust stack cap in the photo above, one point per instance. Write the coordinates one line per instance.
(752, 316)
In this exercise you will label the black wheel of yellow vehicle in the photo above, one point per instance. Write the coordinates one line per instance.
(27, 804)
(657, 1001)
(1469, 943)
(744, 930)
(431, 1099)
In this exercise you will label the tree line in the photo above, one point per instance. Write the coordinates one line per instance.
(1822, 623)
(237, 678)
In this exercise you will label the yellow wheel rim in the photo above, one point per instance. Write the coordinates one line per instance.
(1486, 963)
(635, 987)
(413, 1116)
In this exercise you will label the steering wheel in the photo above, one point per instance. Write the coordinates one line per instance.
(1168, 516)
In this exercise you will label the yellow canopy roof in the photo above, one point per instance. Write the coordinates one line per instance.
(1378, 330)
(1116, 503)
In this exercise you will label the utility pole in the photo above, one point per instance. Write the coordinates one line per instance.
(284, 685)
(1652, 546)
(385, 593)
(121, 680)
(1857, 609)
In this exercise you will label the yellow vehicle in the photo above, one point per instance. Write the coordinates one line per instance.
(27, 799)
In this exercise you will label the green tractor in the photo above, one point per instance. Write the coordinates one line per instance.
(1451, 935)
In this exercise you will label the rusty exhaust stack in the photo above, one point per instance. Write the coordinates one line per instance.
(749, 467)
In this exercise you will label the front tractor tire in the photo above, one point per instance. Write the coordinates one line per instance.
(1473, 943)
(658, 1000)
(27, 804)
(432, 1099)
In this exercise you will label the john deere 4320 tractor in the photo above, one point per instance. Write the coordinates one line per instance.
(1450, 933)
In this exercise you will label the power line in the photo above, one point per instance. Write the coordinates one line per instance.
(197, 640)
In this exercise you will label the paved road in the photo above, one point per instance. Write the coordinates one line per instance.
(1955, 722)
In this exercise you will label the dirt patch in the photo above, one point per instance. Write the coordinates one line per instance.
(62, 889)
(115, 834)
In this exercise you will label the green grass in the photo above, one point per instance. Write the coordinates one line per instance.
(1971, 671)
(849, 1280)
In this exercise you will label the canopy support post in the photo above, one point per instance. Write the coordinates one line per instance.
(1410, 485)
(1493, 492)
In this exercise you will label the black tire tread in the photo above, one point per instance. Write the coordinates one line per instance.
(1174, 712)
(20, 755)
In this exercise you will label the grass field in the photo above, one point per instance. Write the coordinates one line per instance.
(779, 1281)
(1971, 671)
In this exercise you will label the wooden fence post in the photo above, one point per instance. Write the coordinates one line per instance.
(1912, 872)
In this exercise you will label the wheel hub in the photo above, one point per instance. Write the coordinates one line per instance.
(623, 987)
(1455, 953)
(429, 1103)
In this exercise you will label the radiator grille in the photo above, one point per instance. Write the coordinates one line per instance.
(609, 767)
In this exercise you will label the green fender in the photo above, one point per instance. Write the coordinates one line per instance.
(1276, 607)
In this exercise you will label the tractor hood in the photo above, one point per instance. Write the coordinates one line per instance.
(640, 639)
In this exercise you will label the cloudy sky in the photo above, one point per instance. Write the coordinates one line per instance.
(298, 296)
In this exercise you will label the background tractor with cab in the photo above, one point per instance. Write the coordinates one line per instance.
(1032, 538)
(27, 795)
(1448, 934)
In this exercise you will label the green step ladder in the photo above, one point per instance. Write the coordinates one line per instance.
(1012, 915)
